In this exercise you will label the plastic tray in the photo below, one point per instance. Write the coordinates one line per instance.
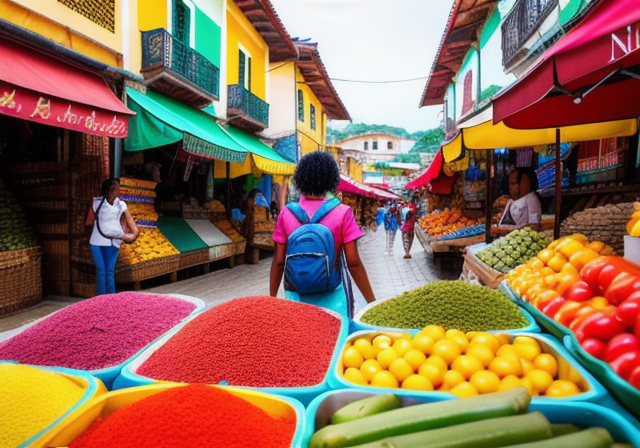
(319, 412)
(93, 388)
(106, 404)
(129, 378)
(358, 325)
(568, 368)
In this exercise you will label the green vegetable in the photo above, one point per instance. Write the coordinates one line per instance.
(492, 432)
(560, 429)
(422, 417)
(588, 438)
(365, 407)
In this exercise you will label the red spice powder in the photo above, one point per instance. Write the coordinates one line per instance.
(189, 416)
(252, 341)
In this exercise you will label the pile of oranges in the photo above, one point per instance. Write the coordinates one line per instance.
(443, 222)
(463, 364)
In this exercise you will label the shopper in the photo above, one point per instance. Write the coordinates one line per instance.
(316, 177)
(391, 219)
(409, 214)
(112, 223)
(524, 207)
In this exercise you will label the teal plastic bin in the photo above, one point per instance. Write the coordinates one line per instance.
(129, 377)
(319, 411)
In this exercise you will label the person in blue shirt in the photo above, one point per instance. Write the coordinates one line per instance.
(391, 224)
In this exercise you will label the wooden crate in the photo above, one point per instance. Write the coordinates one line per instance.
(20, 279)
(488, 276)
(193, 258)
(147, 269)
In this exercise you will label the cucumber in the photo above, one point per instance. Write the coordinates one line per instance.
(422, 417)
(490, 433)
(365, 407)
(588, 438)
(560, 429)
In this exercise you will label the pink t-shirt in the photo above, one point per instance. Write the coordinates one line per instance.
(340, 221)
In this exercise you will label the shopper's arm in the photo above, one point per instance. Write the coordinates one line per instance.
(91, 217)
(132, 234)
(277, 269)
(356, 268)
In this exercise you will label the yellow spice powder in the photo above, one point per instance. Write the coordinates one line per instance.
(30, 400)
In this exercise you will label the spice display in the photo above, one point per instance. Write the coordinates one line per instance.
(516, 248)
(189, 416)
(97, 333)
(451, 304)
(31, 400)
(252, 341)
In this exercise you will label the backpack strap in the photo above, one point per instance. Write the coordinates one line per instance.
(324, 209)
(298, 212)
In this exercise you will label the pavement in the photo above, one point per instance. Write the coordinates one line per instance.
(389, 275)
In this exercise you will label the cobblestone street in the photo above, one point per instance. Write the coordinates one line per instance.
(389, 276)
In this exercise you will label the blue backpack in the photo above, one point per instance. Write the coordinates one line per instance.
(310, 265)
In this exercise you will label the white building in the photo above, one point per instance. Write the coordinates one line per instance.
(372, 148)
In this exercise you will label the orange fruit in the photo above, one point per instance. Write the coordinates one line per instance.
(447, 350)
(417, 382)
(526, 347)
(386, 357)
(540, 380)
(463, 390)
(423, 343)
(369, 368)
(505, 365)
(547, 362)
(438, 361)
(485, 381)
(480, 352)
(509, 351)
(415, 358)
(509, 382)
(402, 346)
(355, 376)
(365, 348)
(561, 389)
(488, 339)
(451, 379)
(400, 369)
(433, 372)
(467, 365)
(458, 337)
(380, 342)
(384, 378)
(352, 358)
(435, 332)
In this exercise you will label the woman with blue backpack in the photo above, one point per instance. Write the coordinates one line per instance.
(311, 237)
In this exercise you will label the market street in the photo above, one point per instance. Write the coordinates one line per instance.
(389, 276)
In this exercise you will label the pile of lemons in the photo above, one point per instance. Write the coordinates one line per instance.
(149, 245)
(463, 364)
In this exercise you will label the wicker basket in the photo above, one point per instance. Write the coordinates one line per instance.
(193, 258)
(81, 251)
(20, 279)
(239, 247)
(83, 289)
(147, 269)
(55, 259)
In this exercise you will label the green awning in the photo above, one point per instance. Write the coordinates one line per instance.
(265, 158)
(162, 120)
(180, 234)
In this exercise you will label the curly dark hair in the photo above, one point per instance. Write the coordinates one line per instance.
(316, 174)
(104, 189)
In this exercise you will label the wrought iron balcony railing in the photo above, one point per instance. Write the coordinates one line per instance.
(522, 21)
(159, 48)
(241, 99)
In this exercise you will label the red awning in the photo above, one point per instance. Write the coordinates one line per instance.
(443, 184)
(557, 92)
(37, 87)
(349, 185)
(432, 172)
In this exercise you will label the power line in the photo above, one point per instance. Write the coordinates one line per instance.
(379, 82)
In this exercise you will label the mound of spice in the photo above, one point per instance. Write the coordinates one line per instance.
(252, 341)
(31, 399)
(97, 333)
(450, 304)
(189, 416)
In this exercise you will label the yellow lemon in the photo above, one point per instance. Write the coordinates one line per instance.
(451, 379)
(466, 365)
(524, 382)
(405, 335)
(415, 358)
(384, 378)
(540, 380)
(562, 388)
(400, 369)
(458, 337)
(355, 376)
(504, 338)
(526, 347)
(509, 382)
(386, 357)
(423, 343)
(485, 381)
(381, 342)
(417, 382)
(509, 351)
(548, 362)
(480, 352)
(435, 332)
(464, 390)
(433, 372)
(438, 361)
(352, 358)
(505, 365)
(369, 368)
(488, 339)
(527, 366)
(447, 350)
(402, 346)
(365, 348)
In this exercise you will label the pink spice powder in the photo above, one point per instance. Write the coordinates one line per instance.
(97, 333)
(252, 341)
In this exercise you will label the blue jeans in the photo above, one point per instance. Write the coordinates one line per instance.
(105, 259)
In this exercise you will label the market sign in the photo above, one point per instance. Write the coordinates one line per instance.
(28, 105)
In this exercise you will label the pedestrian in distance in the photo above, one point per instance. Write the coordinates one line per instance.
(111, 224)
(391, 224)
(409, 215)
(315, 237)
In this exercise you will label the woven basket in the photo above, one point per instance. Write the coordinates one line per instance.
(147, 269)
(193, 258)
(20, 279)
(81, 251)
(239, 247)
(55, 259)
(83, 289)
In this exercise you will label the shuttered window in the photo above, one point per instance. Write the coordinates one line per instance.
(244, 70)
(300, 106)
(181, 21)
(312, 117)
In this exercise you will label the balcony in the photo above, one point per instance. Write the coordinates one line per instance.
(247, 110)
(175, 69)
(519, 26)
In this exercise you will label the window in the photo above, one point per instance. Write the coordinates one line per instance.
(389, 145)
(312, 116)
(181, 21)
(300, 105)
(375, 144)
(244, 70)
(366, 146)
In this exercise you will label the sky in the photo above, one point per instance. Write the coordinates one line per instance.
(374, 40)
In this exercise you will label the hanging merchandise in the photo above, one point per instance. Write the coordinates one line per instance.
(187, 169)
(475, 179)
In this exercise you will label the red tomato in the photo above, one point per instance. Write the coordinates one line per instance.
(567, 312)
(594, 347)
(589, 273)
(620, 344)
(621, 287)
(606, 276)
(634, 378)
(579, 292)
(552, 307)
(628, 311)
(601, 325)
(582, 314)
(626, 363)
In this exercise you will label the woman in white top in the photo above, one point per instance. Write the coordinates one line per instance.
(112, 223)
(523, 209)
